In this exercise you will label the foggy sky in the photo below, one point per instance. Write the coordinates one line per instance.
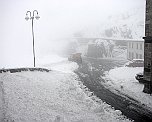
(58, 19)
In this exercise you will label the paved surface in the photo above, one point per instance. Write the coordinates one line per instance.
(90, 73)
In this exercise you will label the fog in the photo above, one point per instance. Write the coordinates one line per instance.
(59, 19)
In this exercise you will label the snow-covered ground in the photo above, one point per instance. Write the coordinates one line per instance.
(53, 96)
(123, 79)
(55, 62)
(50, 59)
(63, 66)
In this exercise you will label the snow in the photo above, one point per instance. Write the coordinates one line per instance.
(125, 25)
(119, 53)
(66, 67)
(123, 79)
(126, 73)
(50, 59)
(55, 62)
(53, 96)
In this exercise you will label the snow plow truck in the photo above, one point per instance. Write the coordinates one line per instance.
(76, 57)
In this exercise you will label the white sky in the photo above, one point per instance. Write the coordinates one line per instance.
(59, 18)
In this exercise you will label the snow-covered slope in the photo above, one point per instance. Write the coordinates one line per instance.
(129, 24)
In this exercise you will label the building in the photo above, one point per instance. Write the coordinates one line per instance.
(135, 49)
(148, 48)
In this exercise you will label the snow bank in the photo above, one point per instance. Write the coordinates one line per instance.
(123, 79)
(124, 73)
(52, 97)
(55, 62)
(66, 66)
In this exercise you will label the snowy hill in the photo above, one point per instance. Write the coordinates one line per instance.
(126, 25)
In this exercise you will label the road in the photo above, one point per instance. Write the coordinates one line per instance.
(90, 74)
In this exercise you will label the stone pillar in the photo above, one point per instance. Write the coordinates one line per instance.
(148, 48)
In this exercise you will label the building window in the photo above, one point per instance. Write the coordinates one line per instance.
(129, 55)
(140, 46)
(140, 56)
(132, 55)
(136, 55)
(132, 45)
(137, 46)
(129, 45)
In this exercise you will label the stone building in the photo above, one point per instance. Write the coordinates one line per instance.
(148, 48)
(135, 49)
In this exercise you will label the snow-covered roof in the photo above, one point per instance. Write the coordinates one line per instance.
(105, 38)
(135, 40)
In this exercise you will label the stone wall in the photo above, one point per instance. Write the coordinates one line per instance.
(1, 103)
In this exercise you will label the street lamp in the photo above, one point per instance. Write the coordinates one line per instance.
(31, 17)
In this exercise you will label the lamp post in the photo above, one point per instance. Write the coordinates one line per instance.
(31, 16)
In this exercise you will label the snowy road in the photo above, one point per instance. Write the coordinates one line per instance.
(90, 73)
